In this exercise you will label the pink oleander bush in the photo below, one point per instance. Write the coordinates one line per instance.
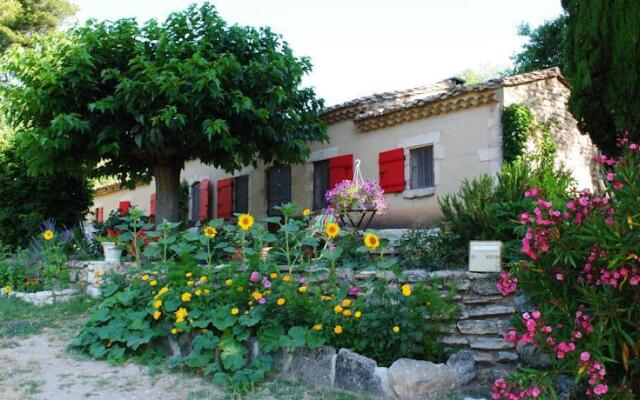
(581, 272)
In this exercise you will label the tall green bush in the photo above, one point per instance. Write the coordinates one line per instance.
(26, 201)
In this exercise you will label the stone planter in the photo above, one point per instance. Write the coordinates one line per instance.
(111, 252)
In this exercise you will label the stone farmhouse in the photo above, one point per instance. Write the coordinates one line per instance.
(419, 144)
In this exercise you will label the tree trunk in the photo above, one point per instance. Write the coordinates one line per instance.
(167, 192)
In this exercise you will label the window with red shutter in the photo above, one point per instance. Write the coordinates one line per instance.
(340, 168)
(100, 214)
(203, 212)
(124, 207)
(152, 205)
(391, 166)
(225, 198)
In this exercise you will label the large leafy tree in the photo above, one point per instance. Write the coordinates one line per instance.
(21, 19)
(120, 99)
(544, 47)
(603, 55)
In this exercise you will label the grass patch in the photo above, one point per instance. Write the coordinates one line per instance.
(22, 319)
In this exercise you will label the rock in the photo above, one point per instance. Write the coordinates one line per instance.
(253, 346)
(463, 365)
(506, 356)
(312, 366)
(356, 373)
(486, 287)
(383, 374)
(455, 340)
(521, 303)
(486, 311)
(477, 327)
(413, 275)
(476, 299)
(565, 385)
(491, 344)
(411, 379)
(532, 357)
(504, 326)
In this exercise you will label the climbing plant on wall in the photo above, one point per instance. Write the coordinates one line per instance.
(518, 121)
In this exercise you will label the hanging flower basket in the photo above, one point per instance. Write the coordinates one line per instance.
(356, 202)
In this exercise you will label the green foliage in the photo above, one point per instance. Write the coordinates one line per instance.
(602, 52)
(480, 74)
(581, 260)
(518, 123)
(176, 304)
(132, 101)
(431, 249)
(21, 19)
(27, 201)
(544, 47)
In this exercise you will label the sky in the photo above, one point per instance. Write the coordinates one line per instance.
(360, 47)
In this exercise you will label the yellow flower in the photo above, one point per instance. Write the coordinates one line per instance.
(372, 241)
(198, 292)
(188, 274)
(337, 329)
(174, 331)
(267, 292)
(47, 235)
(396, 329)
(317, 327)
(306, 212)
(338, 309)
(325, 298)
(332, 230)
(161, 291)
(346, 303)
(7, 289)
(190, 283)
(235, 311)
(181, 314)
(204, 279)
(156, 315)
(250, 302)
(358, 314)
(346, 313)
(157, 304)
(286, 278)
(406, 290)
(153, 283)
(630, 221)
(240, 288)
(273, 275)
(245, 221)
(210, 232)
(302, 289)
(281, 301)
(228, 282)
(155, 272)
(256, 295)
(186, 296)
(207, 291)
(145, 277)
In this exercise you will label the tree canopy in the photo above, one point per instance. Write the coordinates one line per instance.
(544, 47)
(21, 19)
(133, 101)
(603, 55)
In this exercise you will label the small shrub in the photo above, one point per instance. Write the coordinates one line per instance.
(430, 249)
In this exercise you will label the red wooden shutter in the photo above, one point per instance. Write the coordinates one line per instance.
(124, 207)
(152, 205)
(340, 168)
(225, 198)
(203, 213)
(391, 165)
(100, 214)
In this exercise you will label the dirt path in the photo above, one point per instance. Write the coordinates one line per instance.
(39, 368)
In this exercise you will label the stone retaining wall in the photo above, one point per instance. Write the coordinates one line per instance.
(45, 297)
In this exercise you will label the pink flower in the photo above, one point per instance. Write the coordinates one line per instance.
(617, 185)
(601, 389)
(254, 276)
(585, 356)
(536, 314)
(611, 176)
(559, 277)
(534, 392)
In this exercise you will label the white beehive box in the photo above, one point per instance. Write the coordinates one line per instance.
(485, 256)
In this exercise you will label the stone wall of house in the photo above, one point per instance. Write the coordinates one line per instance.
(549, 99)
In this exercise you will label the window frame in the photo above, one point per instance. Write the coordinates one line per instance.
(431, 180)
(270, 211)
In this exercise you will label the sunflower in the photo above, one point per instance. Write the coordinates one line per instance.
(372, 241)
(306, 212)
(181, 314)
(332, 230)
(210, 232)
(47, 235)
(245, 221)
(396, 329)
